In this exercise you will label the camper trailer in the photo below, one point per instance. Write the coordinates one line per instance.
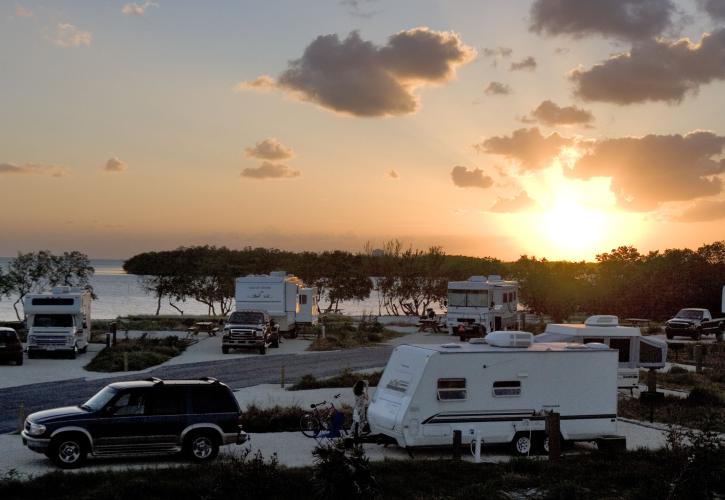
(635, 351)
(59, 321)
(485, 302)
(500, 388)
(283, 297)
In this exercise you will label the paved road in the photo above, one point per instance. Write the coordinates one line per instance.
(236, 373)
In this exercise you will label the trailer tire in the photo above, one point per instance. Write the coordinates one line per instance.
(522, 444)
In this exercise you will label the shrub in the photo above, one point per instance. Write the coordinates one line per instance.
(705, 396)
(674, 370)
(341, 474)
(140, 353)
(346, 378)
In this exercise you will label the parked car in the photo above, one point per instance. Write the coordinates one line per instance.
(145, 417)
(250, 329)
(693, 323)
(11, 349)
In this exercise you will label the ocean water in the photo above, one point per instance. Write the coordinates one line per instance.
(120, 294)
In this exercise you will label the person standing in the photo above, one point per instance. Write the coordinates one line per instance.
(362, 400)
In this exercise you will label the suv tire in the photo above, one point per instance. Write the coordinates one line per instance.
(202, 446)
(68, 451)
(19, 360)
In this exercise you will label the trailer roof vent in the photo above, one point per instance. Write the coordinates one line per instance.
(510, 339)
(602, 320)
(596, 345)
(451, 346)
(477, 278)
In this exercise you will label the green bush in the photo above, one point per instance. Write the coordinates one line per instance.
(341, 473)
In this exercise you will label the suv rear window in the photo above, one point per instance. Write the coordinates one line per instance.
(211, 399)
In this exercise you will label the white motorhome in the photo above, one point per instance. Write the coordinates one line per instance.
(59, 321)
(500, 387)
(635, 351)
(487, 301)
(284, 297)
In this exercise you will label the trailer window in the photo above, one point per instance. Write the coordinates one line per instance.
(502, 388)
(622, 345)
(457, 298)
(451, 389)
(303, 300)
(477, 298)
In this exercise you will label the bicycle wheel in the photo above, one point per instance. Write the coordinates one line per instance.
(310, 425)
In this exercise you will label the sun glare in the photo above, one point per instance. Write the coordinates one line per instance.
(573, 231)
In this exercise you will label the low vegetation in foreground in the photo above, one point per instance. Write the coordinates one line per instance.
(343, 333)
(675, 474)
(346, 378)
(138, 353)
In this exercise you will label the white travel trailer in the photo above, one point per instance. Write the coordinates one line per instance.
(487, 301)
(500, 387)
(284, 297)
(635, 351)
(59, 321)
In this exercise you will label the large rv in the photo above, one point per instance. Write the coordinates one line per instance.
(283, 297)
(500, 387)
(59, 321)
(635, 351)
(487, 302)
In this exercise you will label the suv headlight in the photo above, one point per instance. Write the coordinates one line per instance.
(35, 429)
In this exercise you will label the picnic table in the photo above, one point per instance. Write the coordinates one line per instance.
(640, 322)
(428, 324)
(203, 326)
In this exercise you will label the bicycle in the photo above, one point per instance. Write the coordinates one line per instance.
(324, 416)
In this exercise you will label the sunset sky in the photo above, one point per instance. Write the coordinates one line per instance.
(559, 129)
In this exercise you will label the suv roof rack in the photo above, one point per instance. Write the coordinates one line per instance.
(155, 380)
(209, 379)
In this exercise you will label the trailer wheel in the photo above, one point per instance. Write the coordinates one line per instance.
(522, 443)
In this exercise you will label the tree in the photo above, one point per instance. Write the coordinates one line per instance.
(38, 271)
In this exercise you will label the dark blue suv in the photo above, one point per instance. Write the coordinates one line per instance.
(146, 417)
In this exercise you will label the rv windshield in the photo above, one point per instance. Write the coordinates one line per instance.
(53, 320)
(689, 314)
(467, 298)
(247, 318)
